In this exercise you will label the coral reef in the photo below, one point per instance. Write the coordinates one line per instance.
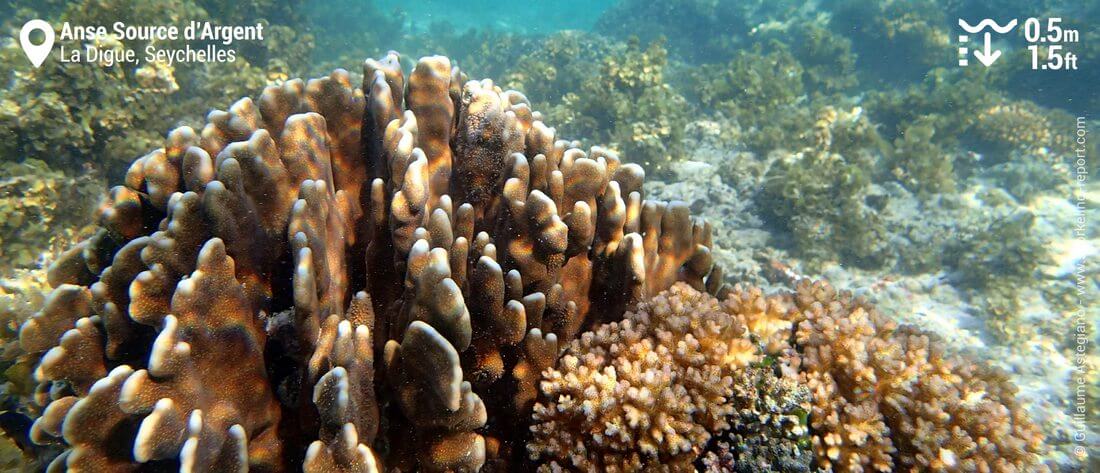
(1005, 248)
(629, 106)
(1023, 125)
(947, 99)
(691, 25)
(123, 111)
(916, 32)
(835, 140)
(887, 397)
(644, 393)
(616, 94)
(953, 109)
(562, 63)
(228, 311)
(648, 392)
(41, 210)
(1054, 88)
(768, 430)
(757, 89)
(918, 163)
(994, 259)
(823, 201)
(22, 293)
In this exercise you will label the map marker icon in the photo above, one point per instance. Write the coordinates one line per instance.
(37, 53)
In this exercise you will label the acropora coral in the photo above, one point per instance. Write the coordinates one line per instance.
(1022, 125)
(888, 398)
(881, 179)
(649, 392)
(229, 310)
(644, 393)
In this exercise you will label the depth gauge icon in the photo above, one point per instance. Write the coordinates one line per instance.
(987, 55)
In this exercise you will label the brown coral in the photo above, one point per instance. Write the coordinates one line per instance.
(648, 393)
(888, 398)
(1014, 125)
(229, 310)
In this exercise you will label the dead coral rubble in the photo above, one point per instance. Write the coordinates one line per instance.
(245, 280)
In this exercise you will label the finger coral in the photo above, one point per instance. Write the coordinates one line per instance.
(629, 397)
(346, 279)
(611, 93)
(645, 393)
(888, 398)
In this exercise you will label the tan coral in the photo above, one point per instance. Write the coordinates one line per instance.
(646, 393)
(888, 398)
(244, 278)
(1015, 125)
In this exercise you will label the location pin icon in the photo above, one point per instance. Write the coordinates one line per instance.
(37, 53)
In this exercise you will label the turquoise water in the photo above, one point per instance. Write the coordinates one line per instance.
(536, 18)
(943, 174)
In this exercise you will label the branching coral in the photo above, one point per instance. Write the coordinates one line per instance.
(645, 393)
(884, 398)
(1022, 125)
(245, 279)
(888, 398)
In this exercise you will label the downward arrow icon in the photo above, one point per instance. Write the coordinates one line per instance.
(987, 57)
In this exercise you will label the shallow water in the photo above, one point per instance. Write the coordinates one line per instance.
(941, 170)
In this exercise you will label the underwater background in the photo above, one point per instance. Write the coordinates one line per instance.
(830, 140)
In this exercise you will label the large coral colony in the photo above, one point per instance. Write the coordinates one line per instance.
(527, 306)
